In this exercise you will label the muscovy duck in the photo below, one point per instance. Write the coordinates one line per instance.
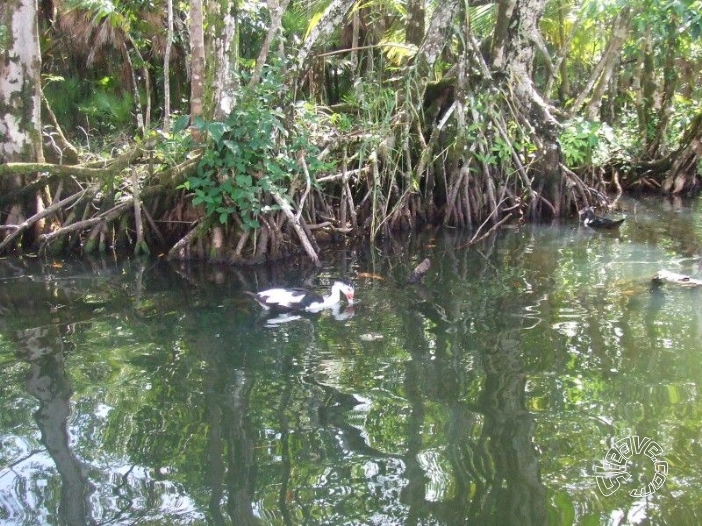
(592, 221)
(294, 299)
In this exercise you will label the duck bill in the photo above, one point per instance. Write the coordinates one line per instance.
(349, 297)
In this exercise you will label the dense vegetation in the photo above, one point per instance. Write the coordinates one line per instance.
(241, 132)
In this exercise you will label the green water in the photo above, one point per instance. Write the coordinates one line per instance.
(138, 392)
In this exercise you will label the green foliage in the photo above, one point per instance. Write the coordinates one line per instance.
(173, 147)
(109, 109)
(482, 19)
(486, 144)
(375, 103)
(100, 104)
(341, 121)
(253, 153)
(122, 15)
(682, 113)
(253, 19)
(64, 96)
(3, 38)
(579, 141)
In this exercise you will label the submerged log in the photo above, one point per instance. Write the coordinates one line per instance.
(665, 276)
(419, 272)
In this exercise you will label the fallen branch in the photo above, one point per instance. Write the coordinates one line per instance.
(104, 217)
(299, 230)
(494, 227)
(18, 229)
(180, 249)
(45, 239)
(78, 170)
(350, 173)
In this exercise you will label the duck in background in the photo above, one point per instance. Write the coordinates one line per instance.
(591, 220)
(303, 300)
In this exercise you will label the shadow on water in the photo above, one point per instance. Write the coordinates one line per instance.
(139, 391)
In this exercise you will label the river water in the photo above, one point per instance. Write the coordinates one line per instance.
(536, 377)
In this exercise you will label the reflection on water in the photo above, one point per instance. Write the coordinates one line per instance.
(339, 312)
(488, 393)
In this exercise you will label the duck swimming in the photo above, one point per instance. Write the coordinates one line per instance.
(592, 221)
(296, 299)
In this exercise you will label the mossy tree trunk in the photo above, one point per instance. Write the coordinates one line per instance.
(197, 59)
(224, 34)
(20, 104)
(514, 54)
(414, 28)
(684, 172)
(591, 94)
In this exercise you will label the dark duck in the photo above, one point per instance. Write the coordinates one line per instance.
(594, 221)
(303, 300)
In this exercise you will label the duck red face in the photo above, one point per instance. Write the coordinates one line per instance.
(348, 292)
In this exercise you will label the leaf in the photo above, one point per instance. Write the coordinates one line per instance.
(194, 182)
(181, 123)
(313, 22)
(216, 130)
(232, 146)
(236, 194)
(244, 180)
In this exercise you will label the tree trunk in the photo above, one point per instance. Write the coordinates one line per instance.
(355, 33)
(197, 59)
(670, 83)
(167, 69)
(562, 66)
(20, 96)
(328, 23)
(647, 87)
(500, 35)
(276, 14)
(683, 175)
(604, 68)
(226, 54)
(135, 84)
(414, 30)
(436, 38)
(515, 54)
(20, 83)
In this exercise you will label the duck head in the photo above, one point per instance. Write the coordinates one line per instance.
(345, 287)
(587, 213)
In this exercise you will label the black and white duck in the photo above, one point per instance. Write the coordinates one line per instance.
(591, 220)
(303, 300)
